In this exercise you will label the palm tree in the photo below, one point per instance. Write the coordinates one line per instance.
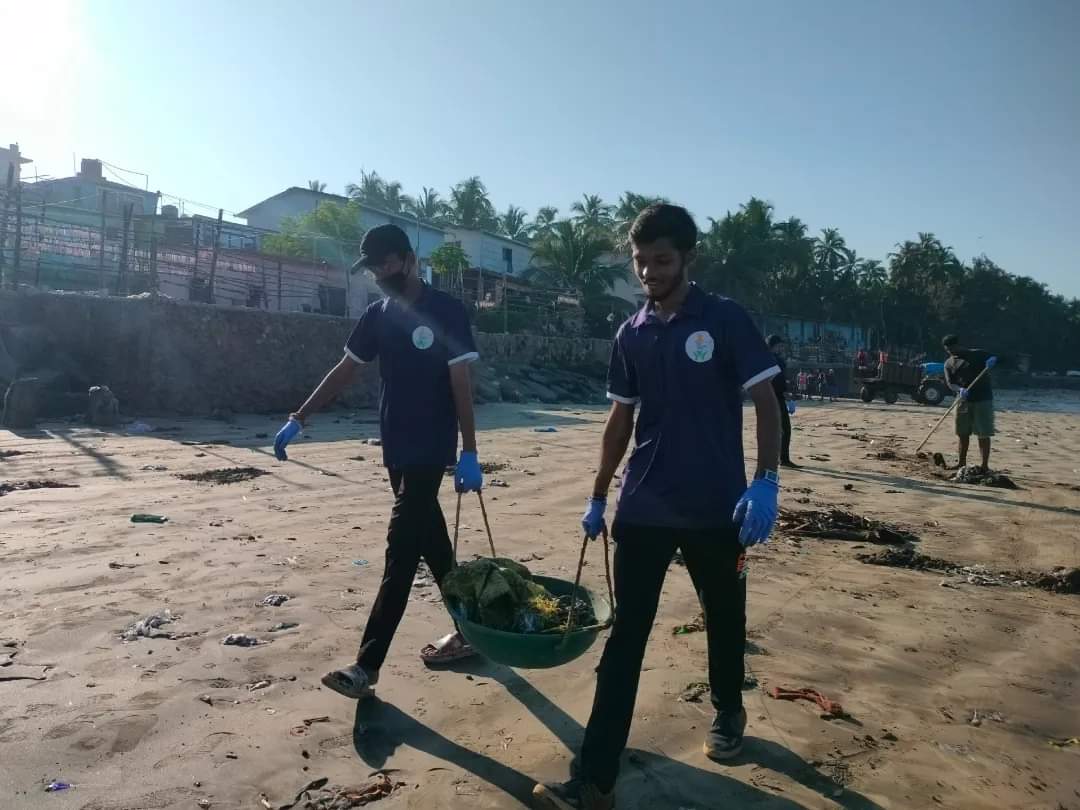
(429, 206)
(543, 222)
(512, 223)
(626, 211)
(571, 256)
(594, 212)
(470, 206)
(315, 185)
(392, 199)
(371, 191)
(830, 250)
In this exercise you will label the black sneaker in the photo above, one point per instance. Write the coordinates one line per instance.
(725, 738)
(572, 795)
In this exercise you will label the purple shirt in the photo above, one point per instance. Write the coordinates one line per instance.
(687, 375)
(415, 345)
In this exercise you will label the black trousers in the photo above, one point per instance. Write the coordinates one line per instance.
(785, 425)
(417, 529)
(716, 562)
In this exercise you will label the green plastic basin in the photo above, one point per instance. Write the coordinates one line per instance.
(539, 650)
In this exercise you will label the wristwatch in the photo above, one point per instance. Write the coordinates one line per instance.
(772, 476)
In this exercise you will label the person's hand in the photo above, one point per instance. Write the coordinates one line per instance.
(756, 511)
(963, 393)
(991, 362)
(284, 436)
(468, 477)
(593, 519)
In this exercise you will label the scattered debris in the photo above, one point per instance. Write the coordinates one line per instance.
(373, 442)
(252, 687)
(43, 483)
(545, 430)
(830, 707)
(117, 565)
(227, 475)
(274, 600)
(240, 640)
(836, 524)
(939, 460)
(317, 796)
(145, 627)
(4, 454)
(749, 681)
(360, 563)
(694, 692)
(310, 721)
(56, 786)
(497, 482)
(139, 428)
(972, 474)
(277, 628)
(695, 626)
(154, 468)
(847, 488)
(209, 701)
(1057, 580)
(1066, 742)
(142, 517)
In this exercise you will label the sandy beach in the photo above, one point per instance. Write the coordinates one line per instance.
(952, 690)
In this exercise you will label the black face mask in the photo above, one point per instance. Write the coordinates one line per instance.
(394, 284)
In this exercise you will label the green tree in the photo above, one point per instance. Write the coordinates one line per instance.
(315, 185)
(574, 256)
(626, 210)
(470, 207)
(332, 233)
(370, 191)
(428, 207)
(591, 210)
(542, 224)
(513, 223)
(450, 261)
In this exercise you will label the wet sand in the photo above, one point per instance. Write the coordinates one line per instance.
(159, 723)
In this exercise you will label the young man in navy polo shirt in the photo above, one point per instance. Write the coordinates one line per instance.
(684, 360)
(424, 345)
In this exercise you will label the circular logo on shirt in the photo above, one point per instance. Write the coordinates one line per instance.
(422, 337)
(699, 347)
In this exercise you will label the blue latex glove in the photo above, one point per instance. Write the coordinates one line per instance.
(756, 511)
(284, 436)
(468, 477)
(593, 519)
(964, 392)
(991, 362)
(791, 407)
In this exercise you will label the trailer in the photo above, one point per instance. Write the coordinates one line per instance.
(890, 379)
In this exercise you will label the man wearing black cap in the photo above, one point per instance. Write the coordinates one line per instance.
(424, 345)
(964, 374)
(779, 383)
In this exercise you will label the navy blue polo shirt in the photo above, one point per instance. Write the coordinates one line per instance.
(415, 344)
(687, 374)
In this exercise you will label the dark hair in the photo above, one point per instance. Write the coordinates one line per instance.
(774, 340)
(665, 221)
(949, 340)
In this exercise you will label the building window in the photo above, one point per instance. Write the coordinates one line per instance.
(508, 260)
(331, 300)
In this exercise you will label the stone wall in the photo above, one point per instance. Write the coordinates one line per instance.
(163, 356)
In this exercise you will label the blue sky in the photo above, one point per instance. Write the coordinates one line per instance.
(880, 119)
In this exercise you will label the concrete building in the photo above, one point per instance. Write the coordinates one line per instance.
(80, 200)
(297, 201)
(491, 252)
(11, 160)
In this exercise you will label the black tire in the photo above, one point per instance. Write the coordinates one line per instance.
(933, 393)
(866, 393)
(891, 396)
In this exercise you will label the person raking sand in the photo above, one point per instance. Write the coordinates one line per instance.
(424, 345)
(975, 412)
(685, 359)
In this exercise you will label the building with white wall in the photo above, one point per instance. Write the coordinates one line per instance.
(11, 159)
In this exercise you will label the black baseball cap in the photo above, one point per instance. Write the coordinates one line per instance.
(774, 340)
(379, 242)
(950, 340)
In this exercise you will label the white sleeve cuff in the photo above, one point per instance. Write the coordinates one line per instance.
(623, 400)
(767, 374)
(468, 357)
(350, 353)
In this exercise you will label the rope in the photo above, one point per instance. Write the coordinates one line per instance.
(577, 582)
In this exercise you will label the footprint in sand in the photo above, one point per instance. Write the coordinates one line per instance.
(129, 732)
